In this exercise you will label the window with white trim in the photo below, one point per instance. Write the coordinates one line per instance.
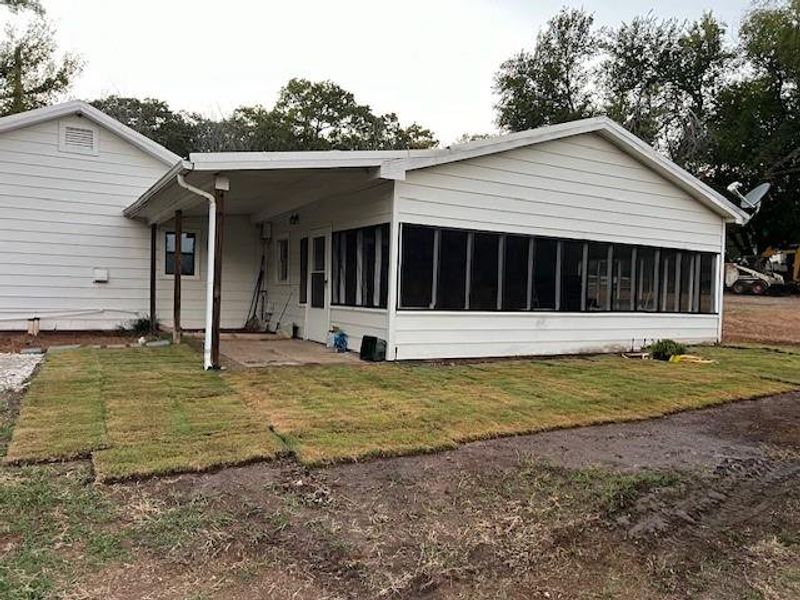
(188, 253)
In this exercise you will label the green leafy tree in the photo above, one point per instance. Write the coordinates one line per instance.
(755, 127)
(31, 72)
(660, 78)
(322, 115)
(181, 132)
(551, 84)
(307, 116)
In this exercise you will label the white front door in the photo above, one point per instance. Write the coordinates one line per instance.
(318, 307)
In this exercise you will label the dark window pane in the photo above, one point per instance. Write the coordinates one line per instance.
(669, 283)
(545, 276)
(598, 292)
(622, 278)
(515, 273)
(416, 278)
(707, 284)
(571, 276)
(303, 270)
(318, 290)
(368, 267)
(187, 255)
(283, 260)
(451, 287)
(687, 282)
(483, 282)
(337, 268)
(351, 267)
(383, 234)
(646, 279)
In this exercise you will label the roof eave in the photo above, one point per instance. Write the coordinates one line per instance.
(135, 210)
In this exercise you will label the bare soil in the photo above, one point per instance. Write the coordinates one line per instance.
(16, 341)
(703, 504)
(761, 319)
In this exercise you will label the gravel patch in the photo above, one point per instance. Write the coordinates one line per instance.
(16, 369)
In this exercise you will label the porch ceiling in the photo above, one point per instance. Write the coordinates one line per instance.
(260, 194)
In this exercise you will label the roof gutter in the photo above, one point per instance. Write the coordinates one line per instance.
(212, 236)
(180, 168)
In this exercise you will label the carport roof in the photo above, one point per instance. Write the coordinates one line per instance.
(366, 166)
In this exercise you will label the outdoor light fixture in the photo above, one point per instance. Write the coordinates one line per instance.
(294, 219)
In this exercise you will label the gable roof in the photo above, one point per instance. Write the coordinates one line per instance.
(603, 126)
(84, 109)
(394, 164)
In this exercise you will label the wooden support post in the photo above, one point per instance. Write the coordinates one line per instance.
(153, 234)
(176, 296)
(219, 196)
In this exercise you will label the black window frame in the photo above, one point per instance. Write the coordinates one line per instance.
(169, 257)
(348, 257)
(549, 278)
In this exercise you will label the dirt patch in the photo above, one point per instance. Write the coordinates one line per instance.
(698, 504)
(761, 319)
(15, 341)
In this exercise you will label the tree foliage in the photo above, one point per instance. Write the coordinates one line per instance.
(549, 85)
(18, 5)
(307, 116)
(181, 132)
(32, 74)
(726, 112)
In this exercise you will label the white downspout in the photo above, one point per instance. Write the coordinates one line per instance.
(212, 231)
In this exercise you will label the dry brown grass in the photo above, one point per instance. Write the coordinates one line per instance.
(332, 413)
(138, 412)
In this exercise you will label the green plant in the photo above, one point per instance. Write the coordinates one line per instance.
(139, 326)
(665, 349)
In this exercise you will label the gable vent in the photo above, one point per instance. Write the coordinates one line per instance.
(81, 140)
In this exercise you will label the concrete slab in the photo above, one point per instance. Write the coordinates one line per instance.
(277, 352)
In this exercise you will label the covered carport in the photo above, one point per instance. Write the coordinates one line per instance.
(213, 186)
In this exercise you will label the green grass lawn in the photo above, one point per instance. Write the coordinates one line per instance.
(137, 412)
(339, 413)
(148, 411)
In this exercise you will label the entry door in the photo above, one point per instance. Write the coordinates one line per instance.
(318, 307)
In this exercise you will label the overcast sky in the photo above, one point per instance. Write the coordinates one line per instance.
(430, 61)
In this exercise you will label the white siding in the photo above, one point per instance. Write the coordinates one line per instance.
(241, 253)
(60, 217)
(370, 206)
(580, 187)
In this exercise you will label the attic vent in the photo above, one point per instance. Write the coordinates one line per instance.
(81, 140)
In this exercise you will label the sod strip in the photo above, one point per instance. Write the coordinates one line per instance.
(166, 415)
(62, 412)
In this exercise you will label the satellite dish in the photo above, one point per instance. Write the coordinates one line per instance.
(752, 200)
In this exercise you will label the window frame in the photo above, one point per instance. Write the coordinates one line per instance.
(340, 275)
(303, 285)
(197, 268)
(277, 260)
(635, 252)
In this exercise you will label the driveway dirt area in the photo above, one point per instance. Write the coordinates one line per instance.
(761, 319)
(702, 504)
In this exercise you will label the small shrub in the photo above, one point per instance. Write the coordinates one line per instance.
(665, 349)
(140, 326)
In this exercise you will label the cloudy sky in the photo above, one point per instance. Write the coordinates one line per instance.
(431, 61)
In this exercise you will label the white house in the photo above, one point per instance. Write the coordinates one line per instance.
(570, 238)
(68, 171)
